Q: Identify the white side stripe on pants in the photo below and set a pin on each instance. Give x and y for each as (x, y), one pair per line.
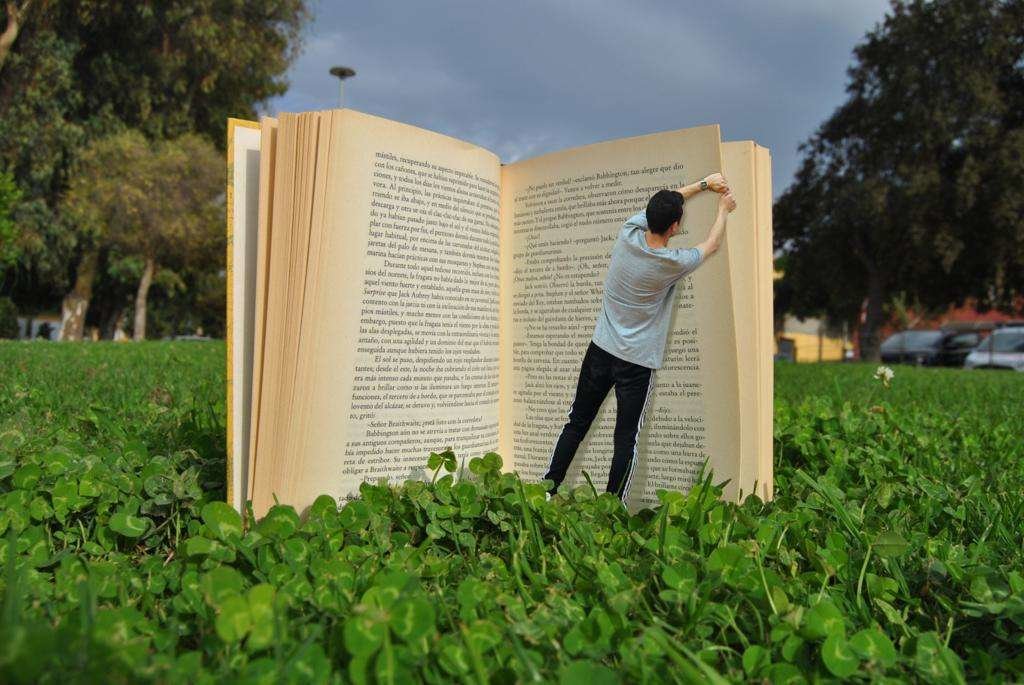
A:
(636, 439)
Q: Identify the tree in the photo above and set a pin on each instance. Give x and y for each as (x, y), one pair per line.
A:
(160, 203)
(80, 70)
(169, 67)
(195, 305)
(916, 183)
(9, 327)
(15, 14)
(10, 195)
(38, 135)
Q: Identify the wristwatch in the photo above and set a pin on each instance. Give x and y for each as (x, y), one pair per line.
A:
(703, 184)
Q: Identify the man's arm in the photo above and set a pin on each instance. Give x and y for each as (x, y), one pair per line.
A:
(726, 204)
(716, 182)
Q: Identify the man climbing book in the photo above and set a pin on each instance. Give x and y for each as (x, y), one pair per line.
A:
(632, 326)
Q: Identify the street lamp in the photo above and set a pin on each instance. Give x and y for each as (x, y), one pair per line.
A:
(342, 73)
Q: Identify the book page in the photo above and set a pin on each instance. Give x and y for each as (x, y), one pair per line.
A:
(274, 279)
(740, 248)
(268, 163)
(397, 340)
(561, 214)
(243, 161)
(766, 312)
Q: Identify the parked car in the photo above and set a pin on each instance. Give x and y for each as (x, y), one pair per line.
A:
(955, 347)
(1004, 349)
(929, 348)
(911, 347)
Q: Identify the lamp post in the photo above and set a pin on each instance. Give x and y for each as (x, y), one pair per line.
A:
(342, 73)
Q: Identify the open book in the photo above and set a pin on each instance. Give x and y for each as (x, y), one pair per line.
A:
(394, 291)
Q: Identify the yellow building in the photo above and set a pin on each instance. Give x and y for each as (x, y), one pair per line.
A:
(806, 340)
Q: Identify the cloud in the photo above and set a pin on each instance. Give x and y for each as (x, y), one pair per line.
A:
(854, 17)
(533, 76)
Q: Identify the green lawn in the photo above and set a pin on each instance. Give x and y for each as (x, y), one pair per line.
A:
(893, 548)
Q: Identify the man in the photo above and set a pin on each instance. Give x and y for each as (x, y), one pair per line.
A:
(632, 326)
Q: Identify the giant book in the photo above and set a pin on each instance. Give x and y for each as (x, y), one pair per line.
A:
(393, 292)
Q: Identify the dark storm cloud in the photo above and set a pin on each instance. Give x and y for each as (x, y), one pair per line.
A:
(526, 77)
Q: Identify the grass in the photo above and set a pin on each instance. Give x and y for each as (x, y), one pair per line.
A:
(893, 549)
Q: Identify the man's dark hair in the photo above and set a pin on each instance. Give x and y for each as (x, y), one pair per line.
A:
(664, 209)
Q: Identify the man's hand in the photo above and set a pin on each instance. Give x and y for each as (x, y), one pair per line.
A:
(717, 183)
(726, 203)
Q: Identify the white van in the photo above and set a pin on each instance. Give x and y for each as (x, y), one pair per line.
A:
(1003, 349)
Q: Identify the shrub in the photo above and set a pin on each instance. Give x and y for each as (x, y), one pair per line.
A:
(8, 319)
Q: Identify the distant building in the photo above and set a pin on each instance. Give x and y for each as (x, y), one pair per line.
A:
(44, 326)
(809, 340)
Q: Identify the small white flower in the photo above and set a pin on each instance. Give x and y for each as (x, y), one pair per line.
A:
(884, 374)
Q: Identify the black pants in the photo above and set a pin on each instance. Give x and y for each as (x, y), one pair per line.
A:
(633, 384)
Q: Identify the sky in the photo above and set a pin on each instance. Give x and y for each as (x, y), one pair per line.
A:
(526, 77)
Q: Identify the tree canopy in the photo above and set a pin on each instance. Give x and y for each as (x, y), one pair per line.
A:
(169, 67)
(915, 184)
(76, 71)
(160, 203)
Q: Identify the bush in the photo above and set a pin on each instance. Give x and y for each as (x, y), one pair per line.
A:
(8, 318)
